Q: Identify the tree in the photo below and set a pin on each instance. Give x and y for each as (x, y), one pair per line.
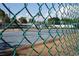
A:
(76, 20)
(2, 14)
(31, 21)
(16, 21)
(67, 21)
(6, 19)
(54, 20)
(23, 20)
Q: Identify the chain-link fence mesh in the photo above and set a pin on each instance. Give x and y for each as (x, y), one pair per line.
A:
(52, 29)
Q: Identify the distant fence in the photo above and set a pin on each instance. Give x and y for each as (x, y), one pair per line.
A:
(15, 26)
(50, 40)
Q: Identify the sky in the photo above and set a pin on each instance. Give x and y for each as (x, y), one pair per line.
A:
(33, 9)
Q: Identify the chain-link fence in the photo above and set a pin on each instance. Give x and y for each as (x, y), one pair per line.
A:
(39, 29)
